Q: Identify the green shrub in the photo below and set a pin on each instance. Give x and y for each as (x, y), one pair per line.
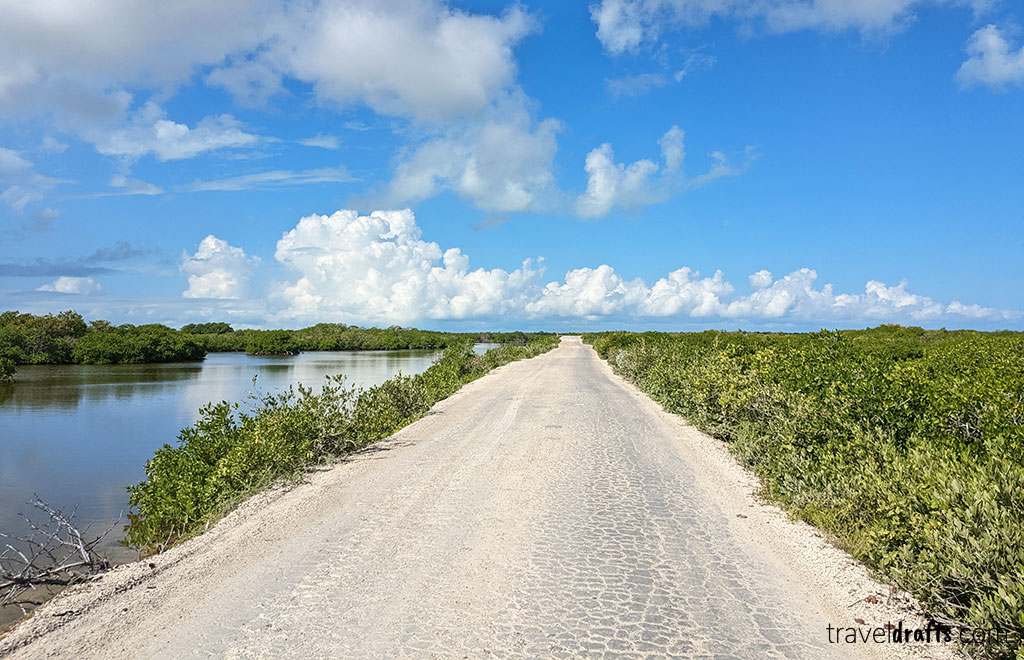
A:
(7, 369)
(272, 342)
(904, 444)
(207, 328)
(129, 344)
(50, 339)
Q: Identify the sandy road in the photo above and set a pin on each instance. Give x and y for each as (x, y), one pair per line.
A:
(545, 510)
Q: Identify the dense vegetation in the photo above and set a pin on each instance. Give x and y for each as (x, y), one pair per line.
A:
(129, 344)
(66, 338)
(904, 444)
(324, 337)
(206, 328)
(232, 452)
(272, 342)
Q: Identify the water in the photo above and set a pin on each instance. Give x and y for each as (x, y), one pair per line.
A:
(77, 435)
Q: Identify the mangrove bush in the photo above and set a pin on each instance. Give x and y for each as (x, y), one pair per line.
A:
(906, 445)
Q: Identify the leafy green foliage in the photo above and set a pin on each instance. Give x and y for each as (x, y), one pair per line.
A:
(207, 328)
(129, 344)
(272, 342)
(30, 339)
(65, 339)
(335, 337)
(904, 444)
(231, 452)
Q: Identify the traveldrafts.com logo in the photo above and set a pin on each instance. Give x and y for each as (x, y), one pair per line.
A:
(932, 633)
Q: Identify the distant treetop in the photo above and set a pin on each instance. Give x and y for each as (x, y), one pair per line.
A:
(207, 328)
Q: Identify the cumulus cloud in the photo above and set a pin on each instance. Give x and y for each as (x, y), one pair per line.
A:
(625, 25)
(445, 69)
(587, 293)
(76, 285)
(761, 279)
(217, 270)
(616, 184)
(47, 47)
(642, 182)
(992, 61)
(414, 58)
(599, 292)
(378, 269)
(501, 161)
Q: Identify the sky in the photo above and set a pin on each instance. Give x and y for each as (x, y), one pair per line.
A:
(627, 164)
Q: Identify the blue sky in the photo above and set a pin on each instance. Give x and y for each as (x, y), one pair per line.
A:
(780, 164)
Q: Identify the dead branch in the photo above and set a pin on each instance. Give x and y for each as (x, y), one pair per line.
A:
(55, 553)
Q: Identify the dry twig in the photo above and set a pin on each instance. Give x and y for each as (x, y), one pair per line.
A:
(55, 553)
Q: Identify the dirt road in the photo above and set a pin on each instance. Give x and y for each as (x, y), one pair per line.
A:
(546, 510)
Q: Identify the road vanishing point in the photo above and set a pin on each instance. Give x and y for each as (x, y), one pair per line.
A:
(547, 510)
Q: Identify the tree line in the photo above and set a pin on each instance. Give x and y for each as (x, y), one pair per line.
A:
(66, 338)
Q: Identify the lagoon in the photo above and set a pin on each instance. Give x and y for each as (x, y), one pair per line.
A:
(77, 435)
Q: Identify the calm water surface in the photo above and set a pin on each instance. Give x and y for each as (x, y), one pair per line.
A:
(77, 435)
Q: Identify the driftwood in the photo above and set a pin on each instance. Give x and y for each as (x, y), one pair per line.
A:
(54, 554)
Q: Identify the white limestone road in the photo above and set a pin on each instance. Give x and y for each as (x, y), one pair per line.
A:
(547, 510)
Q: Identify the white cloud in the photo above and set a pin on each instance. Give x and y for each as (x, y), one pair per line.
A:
(412, 58)
(695, 62)
(43, 219)
(617, 185)
(992, 61)
(587, 293)
(610, 184)
(625, 25)
(273, 179)
(634, 85)
(378, 269)
(444, 68)
(11, 163)
(52, 145)
(501, 161)
(250, 82)
(322, 141)
(150, 132)
(47, 47)
(217, 270)
(130, 186)
(76, 285)
(642, 83)
(20, 184)
(761, 279)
